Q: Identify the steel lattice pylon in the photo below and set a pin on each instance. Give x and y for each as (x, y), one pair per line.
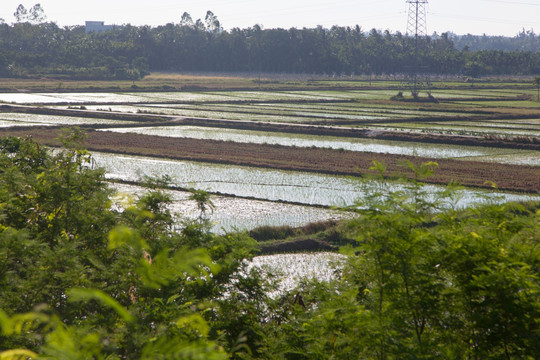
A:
(416, 20)
(416, 26)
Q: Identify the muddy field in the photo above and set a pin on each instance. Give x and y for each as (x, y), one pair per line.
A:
(500, 119)
(468, 173)
(373, 129)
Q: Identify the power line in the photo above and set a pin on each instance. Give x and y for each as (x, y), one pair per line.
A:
(511, 2)
(477, 18)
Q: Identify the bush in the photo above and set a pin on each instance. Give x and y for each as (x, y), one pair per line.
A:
(265, 233)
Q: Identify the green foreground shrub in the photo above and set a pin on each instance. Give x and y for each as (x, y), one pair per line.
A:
(80, 279)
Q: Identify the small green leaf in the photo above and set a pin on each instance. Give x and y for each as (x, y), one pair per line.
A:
(194, 322)
(79, 294)
(124, 236)
(17, 354)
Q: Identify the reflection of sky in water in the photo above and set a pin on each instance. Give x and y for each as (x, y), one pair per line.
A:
(11, 123)
(292, 268)
(456, 129)
(352, 144)
(242, 181)
(18, 119)
(523, 158)
(268, 184)
(241, 214)
(81, 98)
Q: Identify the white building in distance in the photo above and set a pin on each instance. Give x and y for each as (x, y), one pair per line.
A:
(97, 27)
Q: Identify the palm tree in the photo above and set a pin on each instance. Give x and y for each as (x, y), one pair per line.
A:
(204, 203)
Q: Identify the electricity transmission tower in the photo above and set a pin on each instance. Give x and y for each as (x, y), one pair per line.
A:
(416, 26)
(416, 20)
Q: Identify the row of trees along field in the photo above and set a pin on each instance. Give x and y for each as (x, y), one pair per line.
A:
(524, 40)
(30, 49)
(83, 279)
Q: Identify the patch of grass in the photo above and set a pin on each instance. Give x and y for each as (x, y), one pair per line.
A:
(266, 233)
(317, 227)
(316, 236)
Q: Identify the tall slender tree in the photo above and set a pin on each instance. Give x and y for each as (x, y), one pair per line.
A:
(212, 22)
(537, 83)
(186, 20)
(21, 14)
(36, 14)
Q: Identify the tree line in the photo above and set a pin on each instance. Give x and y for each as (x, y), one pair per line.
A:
(524, 40)
(29, 49)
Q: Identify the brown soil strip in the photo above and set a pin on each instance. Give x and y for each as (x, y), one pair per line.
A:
(468, 173)
(310, 129)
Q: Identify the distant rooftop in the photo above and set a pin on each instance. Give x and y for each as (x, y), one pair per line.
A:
(97, 27)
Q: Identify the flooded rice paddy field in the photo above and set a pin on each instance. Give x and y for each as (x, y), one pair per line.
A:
(507, 126)
(21, 119)
(13, 123)
(74, 98)
(520, 122)
(275, 185)
(156, 97)
(292, 269)
(232, 213)
(531, 124)
(351, 144)
(524, 157)
(368, 119)
(463, 94)
(288, 106)
(259, 112)
(256, 196)
(519, 104)
(225, 96)
(279, 112)
(477, 93)
(258, 183)
(458, 128)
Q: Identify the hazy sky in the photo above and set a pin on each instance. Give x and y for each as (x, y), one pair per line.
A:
(492, 17)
